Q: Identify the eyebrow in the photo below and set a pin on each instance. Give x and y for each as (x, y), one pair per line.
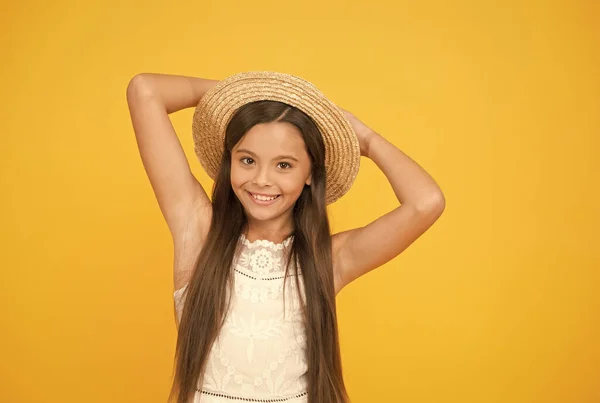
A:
(280, 157)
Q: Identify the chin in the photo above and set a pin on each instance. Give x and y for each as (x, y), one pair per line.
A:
(259, 217)
(261, 213)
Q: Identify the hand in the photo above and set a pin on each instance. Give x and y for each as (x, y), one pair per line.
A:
(364, 133)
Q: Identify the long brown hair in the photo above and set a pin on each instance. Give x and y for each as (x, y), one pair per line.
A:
(206, 303)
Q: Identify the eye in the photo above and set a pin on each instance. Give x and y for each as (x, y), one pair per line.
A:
(284, 165)
(247, 160)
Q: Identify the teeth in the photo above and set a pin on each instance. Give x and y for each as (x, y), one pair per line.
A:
(263, 198)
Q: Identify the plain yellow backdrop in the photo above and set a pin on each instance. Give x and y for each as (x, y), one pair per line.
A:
(499, 101)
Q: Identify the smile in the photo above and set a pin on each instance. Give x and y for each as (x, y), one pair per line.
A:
(262, 199)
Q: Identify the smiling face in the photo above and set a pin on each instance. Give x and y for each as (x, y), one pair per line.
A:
(269, 169)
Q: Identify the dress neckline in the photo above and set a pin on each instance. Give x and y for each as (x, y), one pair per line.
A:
(266, 243)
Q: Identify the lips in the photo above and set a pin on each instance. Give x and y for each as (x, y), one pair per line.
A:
(263, 199)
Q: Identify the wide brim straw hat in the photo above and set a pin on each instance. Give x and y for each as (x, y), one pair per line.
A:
(217, 106)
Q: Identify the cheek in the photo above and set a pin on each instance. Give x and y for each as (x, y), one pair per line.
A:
(293, 185)
(238, 177)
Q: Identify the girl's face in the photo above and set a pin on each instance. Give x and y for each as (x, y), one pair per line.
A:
(269, 169)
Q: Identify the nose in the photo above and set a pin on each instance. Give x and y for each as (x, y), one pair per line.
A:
(261, 178)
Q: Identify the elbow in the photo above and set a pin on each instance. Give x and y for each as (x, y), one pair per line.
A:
(139, 87)
(433, 205)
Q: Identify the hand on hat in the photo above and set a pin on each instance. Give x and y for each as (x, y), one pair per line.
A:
(363, 132)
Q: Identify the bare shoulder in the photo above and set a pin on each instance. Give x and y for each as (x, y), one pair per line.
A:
(188, 243)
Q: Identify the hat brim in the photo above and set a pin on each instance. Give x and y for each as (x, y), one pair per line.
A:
(217, 106)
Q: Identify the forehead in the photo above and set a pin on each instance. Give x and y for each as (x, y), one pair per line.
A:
(273, 138)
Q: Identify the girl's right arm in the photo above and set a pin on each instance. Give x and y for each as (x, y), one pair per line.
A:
(182, 200)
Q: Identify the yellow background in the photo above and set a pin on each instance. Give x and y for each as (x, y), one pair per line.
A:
(499, 101)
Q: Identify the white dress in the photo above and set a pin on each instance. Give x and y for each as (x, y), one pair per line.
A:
(259, 355)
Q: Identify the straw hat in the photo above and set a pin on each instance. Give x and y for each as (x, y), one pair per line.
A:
(217, 106)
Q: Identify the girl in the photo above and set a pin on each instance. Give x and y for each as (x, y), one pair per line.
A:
(279, 152)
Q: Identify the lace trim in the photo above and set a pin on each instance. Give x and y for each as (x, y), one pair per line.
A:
(265, 278)
(265, 243)
(177, 293)
(253, 399)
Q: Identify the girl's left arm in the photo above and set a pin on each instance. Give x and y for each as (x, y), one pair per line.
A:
(358, 251)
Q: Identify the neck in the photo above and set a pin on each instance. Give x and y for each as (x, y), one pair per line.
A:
(274, 231)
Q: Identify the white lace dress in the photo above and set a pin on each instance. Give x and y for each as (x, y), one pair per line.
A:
(259, 356)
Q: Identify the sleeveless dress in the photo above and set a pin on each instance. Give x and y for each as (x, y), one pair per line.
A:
(259, 355)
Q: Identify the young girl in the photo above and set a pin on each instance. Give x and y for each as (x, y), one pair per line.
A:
(256, 268)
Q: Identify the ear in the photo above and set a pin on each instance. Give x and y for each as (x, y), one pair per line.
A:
(309, 180)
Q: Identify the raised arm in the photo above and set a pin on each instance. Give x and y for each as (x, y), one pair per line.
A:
(358, 251)
(151, 97)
